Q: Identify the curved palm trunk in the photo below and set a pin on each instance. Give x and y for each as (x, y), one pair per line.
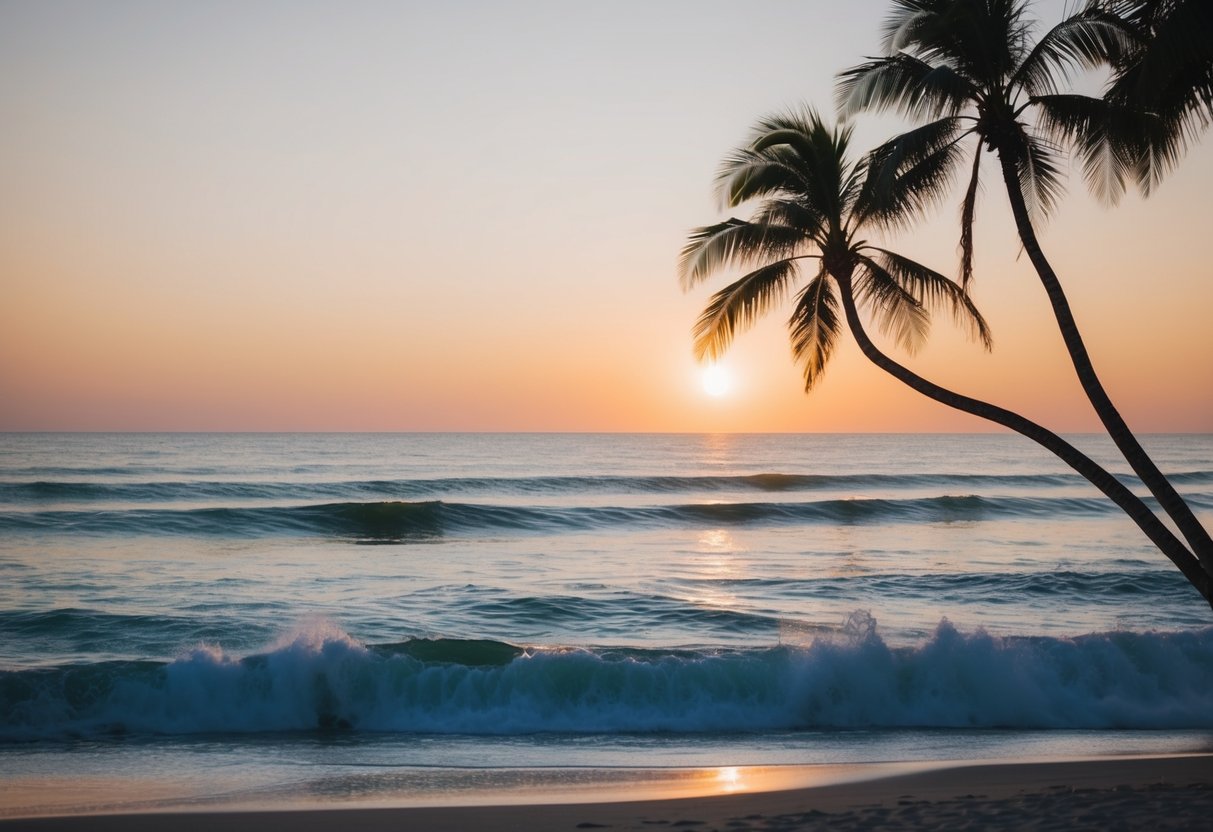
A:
(1174, 505)
(1130, 503)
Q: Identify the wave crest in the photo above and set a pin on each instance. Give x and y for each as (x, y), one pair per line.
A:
(320, 678)
(429, 520)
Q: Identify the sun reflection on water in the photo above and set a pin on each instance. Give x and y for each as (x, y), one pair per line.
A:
(712, 566)
(729, 779)
(717, 539)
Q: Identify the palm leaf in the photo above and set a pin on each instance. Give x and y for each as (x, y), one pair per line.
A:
(1086, 40)
(1039, 174)
(1112, 140)
(987, 39)
(910, 172)
(818, 154)
(902, 25)
(738, 305)
(896, 311)
(905, 83)
(749, 174)
(799, 138)
(1174, 39)
(983, 41)
(933, 291)
(814, 327)
(832, 183)
(733, 242)
(1180, 112)
(789, 212)
(1169, 74)
(968, 213)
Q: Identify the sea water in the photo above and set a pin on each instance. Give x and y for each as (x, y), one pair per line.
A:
(215, 619)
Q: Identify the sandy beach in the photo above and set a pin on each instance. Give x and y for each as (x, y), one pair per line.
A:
(1173, 792)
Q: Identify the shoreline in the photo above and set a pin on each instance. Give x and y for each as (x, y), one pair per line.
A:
(1173, 792)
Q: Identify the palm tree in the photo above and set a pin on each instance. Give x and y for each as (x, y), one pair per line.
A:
(813, 205)
(970, 68)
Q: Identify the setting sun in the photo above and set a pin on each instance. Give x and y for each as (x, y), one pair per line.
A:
(716, 381)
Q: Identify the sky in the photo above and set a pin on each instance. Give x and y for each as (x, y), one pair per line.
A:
(467, 216)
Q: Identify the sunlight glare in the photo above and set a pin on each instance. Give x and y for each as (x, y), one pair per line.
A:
(730, 779)
(716, 381)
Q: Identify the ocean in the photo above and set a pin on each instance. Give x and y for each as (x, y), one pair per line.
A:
(275, 619)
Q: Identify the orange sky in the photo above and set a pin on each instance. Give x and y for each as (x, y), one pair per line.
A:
(311, 217)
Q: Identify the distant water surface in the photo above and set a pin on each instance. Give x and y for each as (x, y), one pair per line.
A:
(410, 608)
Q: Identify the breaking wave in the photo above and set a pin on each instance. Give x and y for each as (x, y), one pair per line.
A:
(321, 679)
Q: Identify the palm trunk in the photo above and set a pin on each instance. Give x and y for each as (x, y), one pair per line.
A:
(1174, 505)
(1130, 503)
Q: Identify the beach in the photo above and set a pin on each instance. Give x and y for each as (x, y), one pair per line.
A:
(1162, 792)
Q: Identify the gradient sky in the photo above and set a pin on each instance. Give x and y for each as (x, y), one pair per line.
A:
(467, 216)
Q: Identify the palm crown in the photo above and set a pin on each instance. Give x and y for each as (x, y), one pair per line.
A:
(812, 204)
(973, 69)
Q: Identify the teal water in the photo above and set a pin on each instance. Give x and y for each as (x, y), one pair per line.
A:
(384, 613)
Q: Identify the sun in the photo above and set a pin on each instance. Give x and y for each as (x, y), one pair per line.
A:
(716, 381)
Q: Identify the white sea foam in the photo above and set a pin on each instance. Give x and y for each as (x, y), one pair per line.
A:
(318, 677)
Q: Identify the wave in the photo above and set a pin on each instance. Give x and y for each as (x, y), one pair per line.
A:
(981, 587)
(320, 679)
(617, 615)
(65, 633)
(429, 520)
(44, 491)
(77, 631)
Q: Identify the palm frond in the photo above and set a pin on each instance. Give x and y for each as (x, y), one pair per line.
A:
(802, 121)
(1181, 113)
(749, 174)
(1040, 176)
(733, 242)
(937, 30)
(738, 305)
(1169, 74)
(1174, 42)
(901, 26)
(933, 291)
(968, 213)
(814, 327)
(982, 41)
(799, 140)
(819, 155)
(1113, 141)
(985, 39)
(897, 313)
(904, 83)
(790, 212)
(910, 172)
(1085, 40)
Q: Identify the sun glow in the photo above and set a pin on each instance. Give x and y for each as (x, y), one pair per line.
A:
(729, 779)
(716, 381)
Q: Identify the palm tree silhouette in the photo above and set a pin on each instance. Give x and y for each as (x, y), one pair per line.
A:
(970, 68)
(815, 203)
(812, 207)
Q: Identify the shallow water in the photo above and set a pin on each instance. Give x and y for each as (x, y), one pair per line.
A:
(395, 615)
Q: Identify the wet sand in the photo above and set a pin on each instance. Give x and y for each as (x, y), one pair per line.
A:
(1161, 792)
